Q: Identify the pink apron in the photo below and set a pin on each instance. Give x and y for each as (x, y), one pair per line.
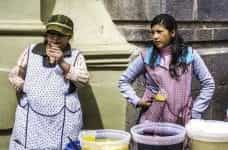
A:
(177, 107)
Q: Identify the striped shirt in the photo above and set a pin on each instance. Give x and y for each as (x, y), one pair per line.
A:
(78, 73)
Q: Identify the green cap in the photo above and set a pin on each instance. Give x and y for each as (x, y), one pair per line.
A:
(61, 24)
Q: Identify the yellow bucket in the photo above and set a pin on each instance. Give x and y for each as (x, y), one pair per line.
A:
(208, 134)
(106, 139)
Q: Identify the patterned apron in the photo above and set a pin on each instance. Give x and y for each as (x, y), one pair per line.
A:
(177, 107)
(47, 114)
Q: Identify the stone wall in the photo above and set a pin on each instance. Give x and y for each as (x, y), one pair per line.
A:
(202, 23)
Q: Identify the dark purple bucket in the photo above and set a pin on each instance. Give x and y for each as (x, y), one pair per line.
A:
(158, 136)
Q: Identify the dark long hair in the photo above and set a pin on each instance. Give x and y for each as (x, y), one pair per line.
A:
(176, 68)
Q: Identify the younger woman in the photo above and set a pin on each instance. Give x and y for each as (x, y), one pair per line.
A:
(168, 66)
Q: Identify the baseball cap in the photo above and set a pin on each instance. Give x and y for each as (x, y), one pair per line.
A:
(61, 24)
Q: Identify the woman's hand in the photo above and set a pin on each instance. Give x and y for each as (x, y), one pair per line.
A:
(144, 103)
(17, 82)
(16, 77)
(54, 52)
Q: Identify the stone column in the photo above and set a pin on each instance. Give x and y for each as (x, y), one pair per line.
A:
(20, 24)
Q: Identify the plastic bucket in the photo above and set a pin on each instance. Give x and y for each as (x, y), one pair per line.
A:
(154, 136)
(208, 134)
(106, 139)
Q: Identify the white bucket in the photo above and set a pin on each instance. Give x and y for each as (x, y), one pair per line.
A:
(208, 134)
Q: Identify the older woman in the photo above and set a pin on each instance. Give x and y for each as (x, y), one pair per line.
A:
(47, 74)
